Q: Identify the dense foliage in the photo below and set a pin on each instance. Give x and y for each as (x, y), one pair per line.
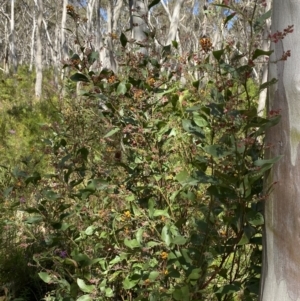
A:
(141, 185)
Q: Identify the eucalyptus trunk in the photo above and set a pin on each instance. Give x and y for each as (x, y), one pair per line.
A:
(39, 54)
(281, 261)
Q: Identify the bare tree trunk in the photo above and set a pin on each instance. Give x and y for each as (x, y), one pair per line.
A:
(174, 22)
(265, 46)
(38, 57)
(281, 261)
(63, 43)
(138, 23)
(13, 55)
(32, 42)
(6, 47)
(106, 49)
(56, 51)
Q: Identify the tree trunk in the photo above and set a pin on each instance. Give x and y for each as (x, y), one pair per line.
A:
(281, 261)
(107, 58)
(6, 47)
(138, 23)
(38, 57)
(265, 46)
(63, 43)
(12, 37)
(32, 42)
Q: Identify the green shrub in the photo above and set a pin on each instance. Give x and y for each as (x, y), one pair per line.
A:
(154, 196)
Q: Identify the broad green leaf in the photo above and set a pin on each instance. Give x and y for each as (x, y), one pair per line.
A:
(159, 212)
(194, 274)
(268, 84)
(84, 287)
(70, 261)
(34, 219)
(260, 52)
(33, 178)
(265, 16)
(112, 132)
(122, 89)
(249, 231)
(109, 292)
(228, 289)
(154, 62)
(153, 3)
(128, 283)
(82, 259)
(186, 255)
(201, 177)
(244, 240)
(218, 53)
(165, 235)
(90, 230)
(217, 151)
(135, 209)
(93, 56)
(179, 240)
(7, 191)
(200, 121)
(182, 294)
(256, 219)
(191, 127)
(117, 259)
(133, 243)
(257, 240)
(51, 195)
(84, 298)
(151, 205)
(245, 187)
(182, 176)
(139, 235)
(151, 244)
(175, 44)
(75, 56)
(196, 84)
(45, 277)
(261, 162)
(153, 275)
(79, 77)
(31, 210)
(229, 17)
(172, 133)
(166, 50)
(102, 285)
(259, 23)
(123, 40)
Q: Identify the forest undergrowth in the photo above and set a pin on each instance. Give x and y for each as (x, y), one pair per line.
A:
(135, 186)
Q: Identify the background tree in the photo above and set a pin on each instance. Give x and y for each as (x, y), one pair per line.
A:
(39, 54)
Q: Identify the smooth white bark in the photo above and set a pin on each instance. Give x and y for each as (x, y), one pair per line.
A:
(12, 37)
(281, 273)
(6, 41)
(107, 58)
(38, 53)
(63, 42)
(138, 23)
(265, 46)
(32, 42)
